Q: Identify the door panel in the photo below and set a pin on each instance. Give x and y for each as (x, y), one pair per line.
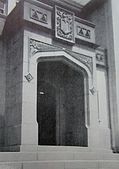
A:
(46, 114)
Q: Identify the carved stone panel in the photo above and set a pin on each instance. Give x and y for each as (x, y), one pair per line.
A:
(84, 30)
(100, 57)
(64, 24)
(38, 15)
(37, 46)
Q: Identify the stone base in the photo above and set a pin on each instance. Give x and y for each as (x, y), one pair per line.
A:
(115, 149)
(20, 148)
(59, 158)
(62, 165)
(37, 149)
(15, 148)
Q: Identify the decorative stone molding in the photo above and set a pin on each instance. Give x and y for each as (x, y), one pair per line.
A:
(83, 59)
(100, 56)
(37, 46)
(64, 24)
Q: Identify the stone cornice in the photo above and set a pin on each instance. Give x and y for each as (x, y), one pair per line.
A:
(39, 4)
(84, 22)
(69, 4)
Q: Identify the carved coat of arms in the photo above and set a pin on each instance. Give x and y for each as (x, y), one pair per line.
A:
(64, 24)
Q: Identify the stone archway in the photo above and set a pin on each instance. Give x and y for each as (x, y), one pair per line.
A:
(60, 105)
(78, 64)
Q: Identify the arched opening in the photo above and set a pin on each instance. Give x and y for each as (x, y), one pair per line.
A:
(60, 105)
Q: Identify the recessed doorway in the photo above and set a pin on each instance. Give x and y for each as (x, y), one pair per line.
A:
(47, 114)
(60, 105)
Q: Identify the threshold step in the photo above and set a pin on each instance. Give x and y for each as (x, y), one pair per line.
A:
(56, 156)
(62, 165)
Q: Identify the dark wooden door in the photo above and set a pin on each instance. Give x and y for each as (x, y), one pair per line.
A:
(46, 114)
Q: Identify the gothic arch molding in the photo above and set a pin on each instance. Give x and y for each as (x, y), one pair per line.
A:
(72, 62)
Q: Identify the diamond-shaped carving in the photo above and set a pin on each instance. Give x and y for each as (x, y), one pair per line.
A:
(29, 77)
(93, 90)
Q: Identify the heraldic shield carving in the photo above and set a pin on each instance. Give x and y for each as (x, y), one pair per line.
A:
(64, 24)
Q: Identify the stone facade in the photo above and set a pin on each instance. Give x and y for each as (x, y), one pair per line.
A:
(2, 92)
(53, 35)
(13, 105)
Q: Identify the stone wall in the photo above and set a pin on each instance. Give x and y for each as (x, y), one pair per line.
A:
(98, 17)
(13, 106)
(102, 18)
(2, 93)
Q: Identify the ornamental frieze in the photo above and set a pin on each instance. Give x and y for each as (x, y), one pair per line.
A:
(86, 60)
(37, 46)
(68, 27)
(64, 24)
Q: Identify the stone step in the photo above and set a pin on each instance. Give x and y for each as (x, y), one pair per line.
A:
(75, 164)
(56, 156)
(44, 156)
(63, 148)
(17, 156)
(71, 149)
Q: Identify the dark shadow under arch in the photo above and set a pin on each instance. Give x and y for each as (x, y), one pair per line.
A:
(46, 113)
(60, 105)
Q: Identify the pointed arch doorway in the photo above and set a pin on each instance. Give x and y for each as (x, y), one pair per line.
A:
(60, 105)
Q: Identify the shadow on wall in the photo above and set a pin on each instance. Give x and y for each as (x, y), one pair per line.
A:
(2, 131)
